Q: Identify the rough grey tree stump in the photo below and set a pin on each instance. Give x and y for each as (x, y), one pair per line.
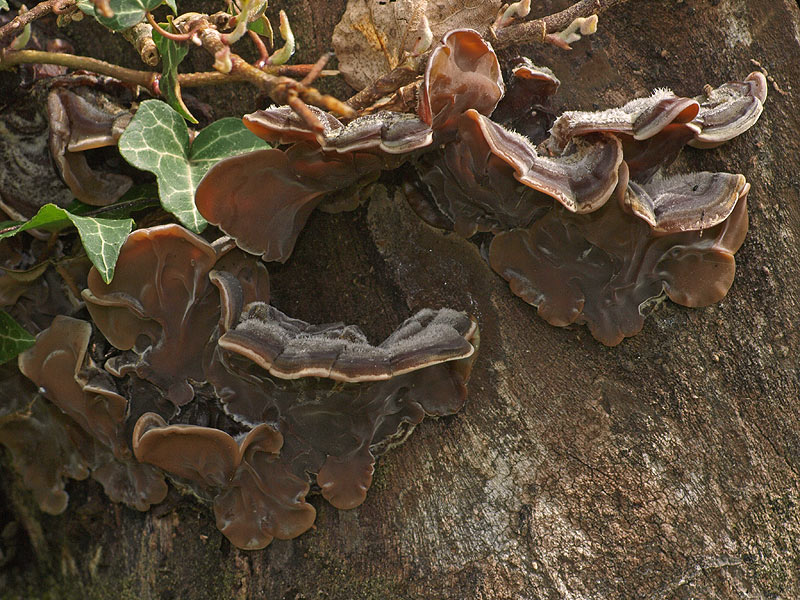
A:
(665, 468)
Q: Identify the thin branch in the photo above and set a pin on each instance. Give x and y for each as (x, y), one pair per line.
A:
(175, 37)
(145, 78)
(141, 37)
(536, 31)
(282, 90)
(316, 69)
(263, 53)
(403, 74)
(14, 27)
(142, 78)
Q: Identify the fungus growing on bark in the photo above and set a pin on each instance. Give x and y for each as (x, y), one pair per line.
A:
(389, 132)
(161, 305)
(41, 441)
(263, 199)
(58, 363)
(581, 178)
(729, 110)
(77, 125)
(289, 348)
(267, 368)
(653, 130)
(606, 268)
(255, 498)
(473, 189)
(524, 107)
(462, 72)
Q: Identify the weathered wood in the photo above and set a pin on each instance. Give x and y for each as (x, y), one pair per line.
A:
(664, 468)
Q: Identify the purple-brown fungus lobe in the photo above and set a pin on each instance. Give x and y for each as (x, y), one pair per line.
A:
(78, 124)
(160, 305)
(606, 268)
(289, 406)
(462, 73)
(263, 199)
(59, 364)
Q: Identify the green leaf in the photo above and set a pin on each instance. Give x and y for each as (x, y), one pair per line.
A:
(101, 238)
(87, 7)
(262, 26)
(3, 5)
(13, 338)
(173, 5)
(127, 13)
(157, 140)
(172, 54)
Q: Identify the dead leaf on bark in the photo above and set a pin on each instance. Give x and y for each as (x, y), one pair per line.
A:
(373, 35)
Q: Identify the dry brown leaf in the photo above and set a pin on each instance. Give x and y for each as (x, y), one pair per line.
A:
(373, 35)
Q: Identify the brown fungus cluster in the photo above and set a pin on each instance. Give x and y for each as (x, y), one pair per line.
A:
(187, 374)
(285, 407)
(588, 226)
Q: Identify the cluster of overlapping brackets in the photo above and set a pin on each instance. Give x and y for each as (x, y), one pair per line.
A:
(585, 227)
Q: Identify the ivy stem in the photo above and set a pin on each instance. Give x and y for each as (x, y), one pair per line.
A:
(142, 78)
(145, 79)
(13, 28)
(175, 37)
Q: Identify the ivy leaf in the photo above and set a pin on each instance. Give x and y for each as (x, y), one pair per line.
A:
(13, 338)
(127, 13)
(157, 140)
(101, 238)
(172, 54)
(262, 26)
(3, 5)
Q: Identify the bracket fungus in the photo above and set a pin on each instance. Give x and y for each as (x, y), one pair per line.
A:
(607, 267)
(59, 364)
(79, 123)
(160, 305)
(206, 383)
(263, 199)
(261, 409)
(335, 397)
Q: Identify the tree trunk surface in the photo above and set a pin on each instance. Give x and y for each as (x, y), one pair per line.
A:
(664, 468)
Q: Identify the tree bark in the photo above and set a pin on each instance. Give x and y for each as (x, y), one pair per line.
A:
(662, 469)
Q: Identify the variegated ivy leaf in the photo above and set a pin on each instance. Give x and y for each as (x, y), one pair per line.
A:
(172, 54)
(127, 13)
(157, 140)
(13, 338)
(101, 238)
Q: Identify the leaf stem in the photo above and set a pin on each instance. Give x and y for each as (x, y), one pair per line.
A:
(13, 28)
(144, 78)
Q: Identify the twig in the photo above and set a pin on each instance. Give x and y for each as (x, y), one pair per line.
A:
(141, 37)
(175, 37)
(263, 53)
(14, 27)
(282, 90)
(403, 74)
(316, 69)
(536, 31)
(142, 78)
